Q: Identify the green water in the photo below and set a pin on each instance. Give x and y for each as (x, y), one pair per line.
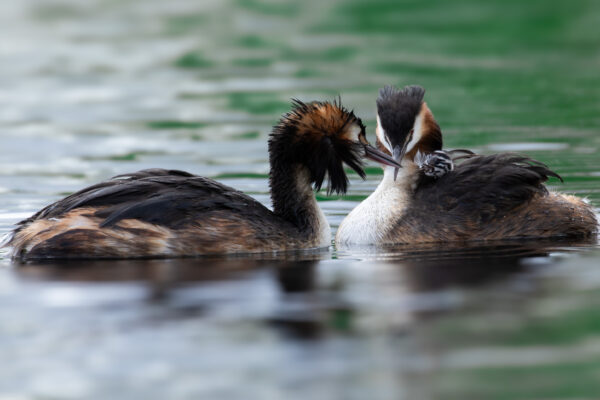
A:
(91, 89)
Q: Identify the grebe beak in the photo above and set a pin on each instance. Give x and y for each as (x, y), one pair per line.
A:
(376, 155)
(398, 155)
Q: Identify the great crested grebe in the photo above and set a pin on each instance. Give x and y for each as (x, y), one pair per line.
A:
(167, 213)
(429, 199)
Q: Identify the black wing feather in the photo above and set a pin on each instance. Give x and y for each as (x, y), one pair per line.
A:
(166, 197)
(495, 183)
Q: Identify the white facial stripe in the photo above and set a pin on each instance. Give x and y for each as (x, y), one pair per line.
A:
(380, 133)
(417, 132)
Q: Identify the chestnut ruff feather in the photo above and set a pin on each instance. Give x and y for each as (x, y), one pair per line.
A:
(398, 111)
(300, 139)
(312, 139)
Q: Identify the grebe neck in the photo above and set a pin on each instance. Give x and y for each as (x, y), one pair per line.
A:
(294, 200)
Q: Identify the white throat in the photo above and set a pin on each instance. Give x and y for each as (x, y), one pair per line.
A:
(371, 220)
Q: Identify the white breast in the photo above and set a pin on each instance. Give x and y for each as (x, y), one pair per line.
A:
(372, 219)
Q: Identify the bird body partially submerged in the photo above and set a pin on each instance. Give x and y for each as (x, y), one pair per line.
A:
(156, 213)
(167, 213)
(499, 196)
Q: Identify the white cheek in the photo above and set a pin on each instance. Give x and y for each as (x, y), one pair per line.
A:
(380, 133)
(417, 132)
(354, 133)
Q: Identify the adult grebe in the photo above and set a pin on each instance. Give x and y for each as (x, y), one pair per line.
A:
(166, 213)
(499, 196)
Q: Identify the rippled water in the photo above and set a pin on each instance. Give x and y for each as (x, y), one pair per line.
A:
(91, 89)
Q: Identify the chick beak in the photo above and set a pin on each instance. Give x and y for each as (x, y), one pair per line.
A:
(376, 155)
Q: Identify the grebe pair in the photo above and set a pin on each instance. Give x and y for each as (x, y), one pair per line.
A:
(430, 199)
(166, 213)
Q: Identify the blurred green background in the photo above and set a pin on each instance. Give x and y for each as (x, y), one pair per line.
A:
(500, 75)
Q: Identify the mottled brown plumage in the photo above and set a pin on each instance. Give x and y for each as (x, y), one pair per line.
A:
(154, 213)
(493, 197)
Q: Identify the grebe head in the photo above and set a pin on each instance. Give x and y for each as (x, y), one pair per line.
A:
(405, 124)
(322, 136)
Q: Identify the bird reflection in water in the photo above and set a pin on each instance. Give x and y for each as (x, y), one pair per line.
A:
(295, 293)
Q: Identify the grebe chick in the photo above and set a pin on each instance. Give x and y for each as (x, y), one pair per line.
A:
(500, 196)
(167, 213)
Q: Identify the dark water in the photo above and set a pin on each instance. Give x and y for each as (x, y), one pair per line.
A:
(90, 89)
